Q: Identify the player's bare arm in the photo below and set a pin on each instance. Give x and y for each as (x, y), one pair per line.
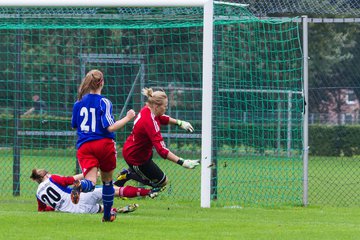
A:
(121, 123)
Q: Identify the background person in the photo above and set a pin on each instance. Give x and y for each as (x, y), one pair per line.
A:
(92, 117)
(39, 106)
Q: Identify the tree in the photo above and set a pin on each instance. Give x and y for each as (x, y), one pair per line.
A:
(332, 48)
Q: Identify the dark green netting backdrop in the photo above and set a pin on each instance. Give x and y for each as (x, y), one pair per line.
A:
(257, 109)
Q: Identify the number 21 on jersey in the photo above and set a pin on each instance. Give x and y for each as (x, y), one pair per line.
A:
(86, 122)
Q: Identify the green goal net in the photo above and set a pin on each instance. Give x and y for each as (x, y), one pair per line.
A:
(257, 97)
(258, 113)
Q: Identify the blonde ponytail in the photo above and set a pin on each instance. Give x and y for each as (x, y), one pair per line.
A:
(154, 98)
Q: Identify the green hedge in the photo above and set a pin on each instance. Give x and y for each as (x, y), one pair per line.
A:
(36, 124)
(36, 131)
(323, 140)
(334, 140)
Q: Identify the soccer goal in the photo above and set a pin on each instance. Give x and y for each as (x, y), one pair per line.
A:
(237, 78)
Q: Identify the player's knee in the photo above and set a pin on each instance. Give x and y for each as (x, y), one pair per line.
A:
(162, 183)
(165, 182)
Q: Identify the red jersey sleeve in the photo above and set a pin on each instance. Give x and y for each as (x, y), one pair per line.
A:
(42, 207)
(164, 119)
(62, 180)
(153, 132)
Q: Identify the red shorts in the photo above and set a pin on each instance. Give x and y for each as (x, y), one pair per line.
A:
(98, 153)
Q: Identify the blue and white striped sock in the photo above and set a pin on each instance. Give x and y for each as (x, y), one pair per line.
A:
(87, 185)
(108, 198)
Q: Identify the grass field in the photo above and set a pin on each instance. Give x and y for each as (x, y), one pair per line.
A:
(164, 219)
(333, 212)
(255, 181)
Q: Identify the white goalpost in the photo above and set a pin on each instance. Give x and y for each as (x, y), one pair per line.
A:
(207, 65)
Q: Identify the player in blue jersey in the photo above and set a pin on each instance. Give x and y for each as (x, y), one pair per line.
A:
(93, 119)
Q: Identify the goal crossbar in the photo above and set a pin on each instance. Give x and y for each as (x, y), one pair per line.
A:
(103, 3)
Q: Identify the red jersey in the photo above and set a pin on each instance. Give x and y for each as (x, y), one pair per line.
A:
(144, 136)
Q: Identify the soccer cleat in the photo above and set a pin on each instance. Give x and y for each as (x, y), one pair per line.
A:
(155, 192)
(122, 174)
(128, 208)
(112, 218)
(75, 192)
(121, 178)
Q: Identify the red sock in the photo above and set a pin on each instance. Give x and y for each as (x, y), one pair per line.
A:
(131, 192)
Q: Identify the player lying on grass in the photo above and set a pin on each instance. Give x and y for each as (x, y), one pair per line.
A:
(53, 194)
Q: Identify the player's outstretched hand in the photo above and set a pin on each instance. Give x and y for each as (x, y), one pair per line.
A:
(190, 164)
(185, 125)
(130, 114)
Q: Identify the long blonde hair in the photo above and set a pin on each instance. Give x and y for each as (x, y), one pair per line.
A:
(154, 98)
(92, 81)
(38, 175)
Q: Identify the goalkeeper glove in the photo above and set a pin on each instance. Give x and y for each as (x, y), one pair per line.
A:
(185, 125)
(189, 164)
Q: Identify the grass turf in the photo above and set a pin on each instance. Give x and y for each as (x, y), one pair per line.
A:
(275, 182)
(165, 219)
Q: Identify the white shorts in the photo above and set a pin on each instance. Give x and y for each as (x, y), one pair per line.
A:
(89, 202)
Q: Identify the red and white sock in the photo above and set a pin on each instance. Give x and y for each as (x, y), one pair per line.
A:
(131, 192)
